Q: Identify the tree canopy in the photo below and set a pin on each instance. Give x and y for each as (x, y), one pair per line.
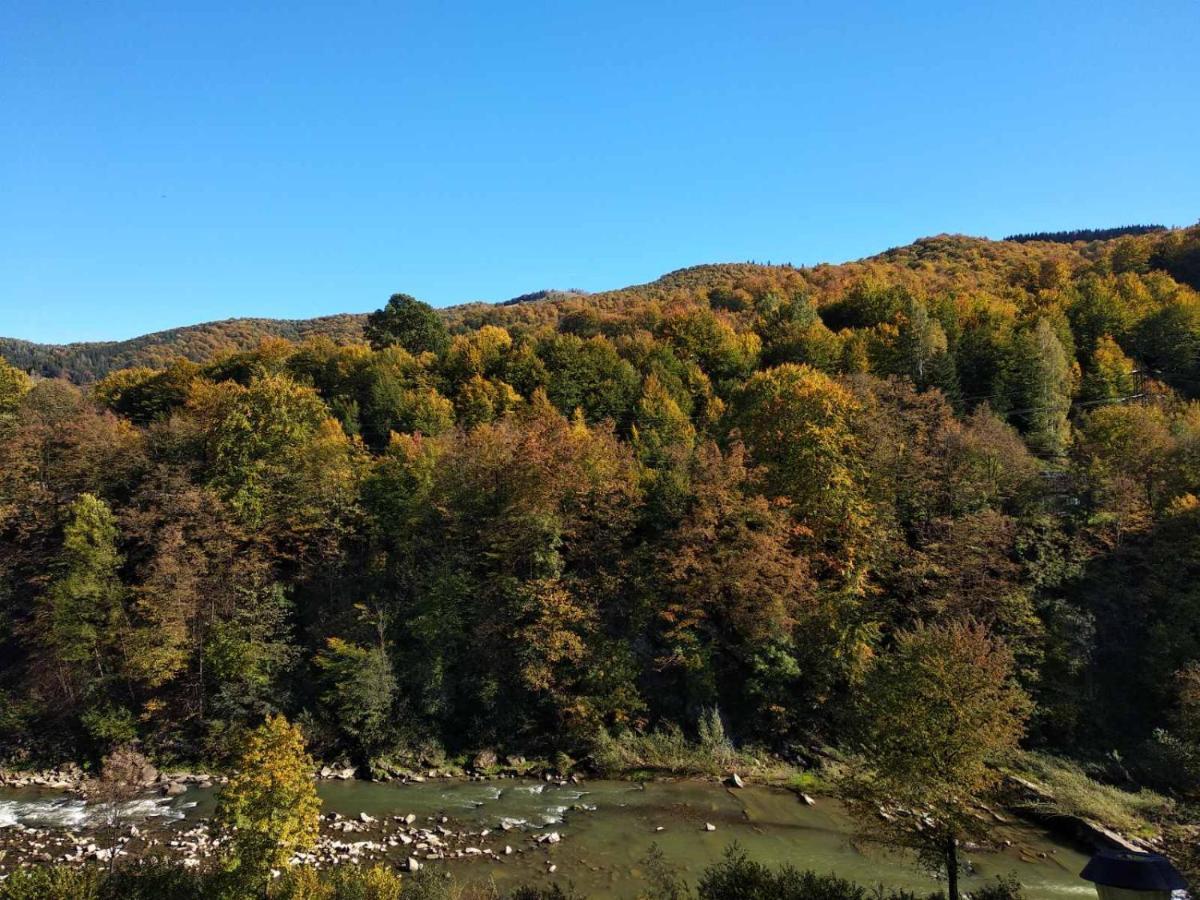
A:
(532, 527)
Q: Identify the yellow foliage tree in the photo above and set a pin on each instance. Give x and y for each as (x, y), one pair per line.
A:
(14, 384)
(269, 810)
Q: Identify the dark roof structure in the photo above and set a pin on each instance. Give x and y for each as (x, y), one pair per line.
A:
(1133, 871)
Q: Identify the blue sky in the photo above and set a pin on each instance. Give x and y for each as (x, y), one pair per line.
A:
(169, 163)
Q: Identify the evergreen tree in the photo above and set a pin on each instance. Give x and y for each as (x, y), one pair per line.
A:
(1043, 383)
(360, 690)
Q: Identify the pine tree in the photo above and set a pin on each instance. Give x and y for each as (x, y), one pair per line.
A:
(1043, 383)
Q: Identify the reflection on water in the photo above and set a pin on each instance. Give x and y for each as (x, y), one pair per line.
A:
(608, 827)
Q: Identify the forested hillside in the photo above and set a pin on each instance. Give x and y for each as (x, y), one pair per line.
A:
(85, 362)
(533, 527)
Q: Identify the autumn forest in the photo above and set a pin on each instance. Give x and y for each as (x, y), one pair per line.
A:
(537, 526)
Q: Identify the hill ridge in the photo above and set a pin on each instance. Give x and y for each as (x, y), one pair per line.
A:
(959, 261)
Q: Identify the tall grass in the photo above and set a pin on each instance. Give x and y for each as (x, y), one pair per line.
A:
(1075, 793)
(667, 750)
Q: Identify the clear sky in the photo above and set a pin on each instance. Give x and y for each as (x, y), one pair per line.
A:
(166, 163)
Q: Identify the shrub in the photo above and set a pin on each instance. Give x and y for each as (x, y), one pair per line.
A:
(341, 883)
(1005, 888)
(736, 877)
(59, 883)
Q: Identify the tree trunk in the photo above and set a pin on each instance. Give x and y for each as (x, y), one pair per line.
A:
(952, 868)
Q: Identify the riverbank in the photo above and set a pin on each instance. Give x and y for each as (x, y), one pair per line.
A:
(1051, 793)
(1047, 790)
(605, 830)
(139, 830)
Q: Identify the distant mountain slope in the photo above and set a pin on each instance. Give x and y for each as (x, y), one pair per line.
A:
(940, 263)
(87, 361)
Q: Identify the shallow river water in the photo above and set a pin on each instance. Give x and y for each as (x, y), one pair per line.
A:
(607, 827)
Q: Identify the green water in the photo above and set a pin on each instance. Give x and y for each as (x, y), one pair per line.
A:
(607, 827)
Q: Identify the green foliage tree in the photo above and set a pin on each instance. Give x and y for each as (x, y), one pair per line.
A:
(1169, 340)
(273, 451)
(407, 322)
(361, 689)
(1043, 384)
(588, 375)
(922, 342)
(82, 619)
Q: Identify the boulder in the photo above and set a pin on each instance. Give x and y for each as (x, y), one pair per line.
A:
(485, 759)
(735, 780)
(709, 826)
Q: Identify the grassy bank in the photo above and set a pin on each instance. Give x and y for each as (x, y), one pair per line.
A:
(1069, 790)
(668, 751)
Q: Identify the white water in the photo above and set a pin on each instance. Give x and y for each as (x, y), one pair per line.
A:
(60, 812)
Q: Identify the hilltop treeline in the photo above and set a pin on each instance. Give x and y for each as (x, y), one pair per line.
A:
(1085, 234)
(531, 527)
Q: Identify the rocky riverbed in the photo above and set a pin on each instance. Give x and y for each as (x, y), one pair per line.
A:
(400, 840)
(514, 830)
(72, 779)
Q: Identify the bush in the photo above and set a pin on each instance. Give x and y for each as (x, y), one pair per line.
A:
(51, 884)
(737, 878)
(170, 881)
(1170, 763)
(341, 883)
(1005, 888)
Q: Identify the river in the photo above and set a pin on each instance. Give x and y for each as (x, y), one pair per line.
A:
(607, 828)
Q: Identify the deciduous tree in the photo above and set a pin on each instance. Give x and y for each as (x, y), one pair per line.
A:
(939, 712)
(269, 809)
